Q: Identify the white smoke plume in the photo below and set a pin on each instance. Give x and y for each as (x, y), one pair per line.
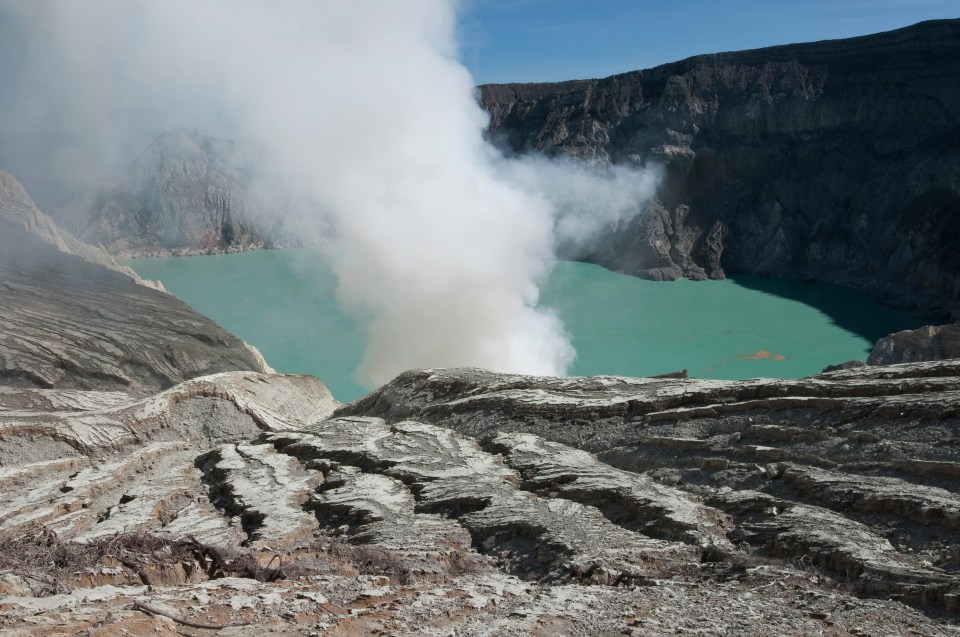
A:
(587, 199)
(440, 242)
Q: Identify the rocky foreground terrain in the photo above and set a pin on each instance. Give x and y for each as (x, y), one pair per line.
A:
(157, 479)
(835, 160)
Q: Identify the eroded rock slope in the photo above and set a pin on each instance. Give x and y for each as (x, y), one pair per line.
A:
(833, 159)
(855, 470)
(71, 318)
(460, 500)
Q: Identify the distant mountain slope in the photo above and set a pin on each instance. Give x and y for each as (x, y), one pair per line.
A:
(71, 318)
(186, 191)
(834, 159)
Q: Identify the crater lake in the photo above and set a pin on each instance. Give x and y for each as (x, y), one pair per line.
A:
(283, 302)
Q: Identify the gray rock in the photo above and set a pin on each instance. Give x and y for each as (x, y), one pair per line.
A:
(449, 474)
(204, 411)
(929, 343)
(832, 159)
(875, 444)
(629, 499)
(189, 193)
(186, 191)
(71, 318)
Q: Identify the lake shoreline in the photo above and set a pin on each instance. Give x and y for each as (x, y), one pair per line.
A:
(284, 303)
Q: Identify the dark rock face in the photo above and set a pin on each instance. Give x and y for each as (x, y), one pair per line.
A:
(185, 192)
(67, 321)
(832, 159)
(928, 343)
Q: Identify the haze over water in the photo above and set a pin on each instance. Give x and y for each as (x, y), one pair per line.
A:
(283, 303)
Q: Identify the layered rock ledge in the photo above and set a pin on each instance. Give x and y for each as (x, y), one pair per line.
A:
(72, 318)
(467, 501)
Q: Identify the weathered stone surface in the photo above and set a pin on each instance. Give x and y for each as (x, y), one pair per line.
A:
(450, 475)
(68, 321)
(266, 491)
(479, 529)
(138, 492)
(204, 411)
(871, 494)
(833, 159)
(630, 500)
(876, 444)
(832, 541)
(784, 603)
(603, 411)
(929, 343)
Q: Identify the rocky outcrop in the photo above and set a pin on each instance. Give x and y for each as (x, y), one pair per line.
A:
(476, 502)
(71, 318)
(187, 193)
(47, 424)
(855, 470)
(928, 343)
(17, 209)
(833, 160)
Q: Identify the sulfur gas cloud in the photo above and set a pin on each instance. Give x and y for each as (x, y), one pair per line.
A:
(439, 243)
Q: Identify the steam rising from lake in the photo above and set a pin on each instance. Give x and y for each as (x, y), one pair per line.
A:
(439, 242)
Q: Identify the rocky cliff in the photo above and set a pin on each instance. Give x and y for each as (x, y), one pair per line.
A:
(185, 193)
(72, 318)
(836, 160)
(929, 343)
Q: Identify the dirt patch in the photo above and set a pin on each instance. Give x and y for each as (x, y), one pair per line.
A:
(41, 564)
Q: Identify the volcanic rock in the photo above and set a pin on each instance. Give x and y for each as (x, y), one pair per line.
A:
(477, 502)
(72, 318)
(928, 343)
(835, 160)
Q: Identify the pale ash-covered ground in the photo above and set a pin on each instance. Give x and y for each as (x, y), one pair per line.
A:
(157, 480)
(698, 512)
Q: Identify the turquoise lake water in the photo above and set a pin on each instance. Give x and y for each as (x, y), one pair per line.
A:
(283, 303)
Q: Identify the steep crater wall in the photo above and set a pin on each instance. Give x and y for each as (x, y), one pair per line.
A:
(836, 160)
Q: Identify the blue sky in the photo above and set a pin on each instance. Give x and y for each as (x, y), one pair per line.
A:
(549, 40)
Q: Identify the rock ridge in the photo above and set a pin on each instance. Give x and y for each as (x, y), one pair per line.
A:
(485, 501)
(72, 318)
(832, 160)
